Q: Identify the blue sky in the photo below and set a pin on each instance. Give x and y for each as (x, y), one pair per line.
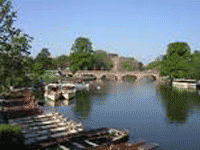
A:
(138, 28)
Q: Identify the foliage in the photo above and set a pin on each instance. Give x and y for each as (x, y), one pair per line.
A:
(38, 70)
(175, 64)
(43, 57)
(61, 62)
(101, 61)
(81, 55)
(195, 66)
(11, 136)
(10, 129)
(14, 48)
(129, 65)
(38, 94)
(41, 63)
(49, 77)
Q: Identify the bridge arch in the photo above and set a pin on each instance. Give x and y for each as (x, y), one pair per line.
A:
(153, 77)
(103, 77)
(116, 78)
(124, 78)
(89, 75)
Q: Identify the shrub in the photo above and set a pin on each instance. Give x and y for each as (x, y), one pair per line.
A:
(11, 135)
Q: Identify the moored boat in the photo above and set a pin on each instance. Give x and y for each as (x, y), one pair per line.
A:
(95, 138)
(54, 91)
(68, 90)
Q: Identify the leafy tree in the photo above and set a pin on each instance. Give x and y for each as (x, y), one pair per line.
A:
(196, 52)
(14, 48)
(140, 66)
(81, 55)
(175, 64)
(195, 66)
(100, 61)
(38, 70)
(61, 62)
(127, 64)
(44, 58)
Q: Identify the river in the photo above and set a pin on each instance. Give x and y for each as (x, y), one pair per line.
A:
(147, 109)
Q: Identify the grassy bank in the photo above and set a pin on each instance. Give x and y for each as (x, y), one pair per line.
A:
(11, 136)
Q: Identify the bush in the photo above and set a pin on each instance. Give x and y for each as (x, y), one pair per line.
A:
(49, 77)
(11, 136)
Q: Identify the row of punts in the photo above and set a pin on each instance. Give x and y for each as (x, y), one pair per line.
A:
(51, 130)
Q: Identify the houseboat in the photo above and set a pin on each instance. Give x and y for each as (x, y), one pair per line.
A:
(185, 84)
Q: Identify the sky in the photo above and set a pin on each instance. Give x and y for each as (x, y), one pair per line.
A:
(136, 28)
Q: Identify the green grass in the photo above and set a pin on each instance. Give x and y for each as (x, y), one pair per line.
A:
(10, 129)
(11, 136)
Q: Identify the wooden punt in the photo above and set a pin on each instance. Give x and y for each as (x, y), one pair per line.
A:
(148, 146)
(97, 137)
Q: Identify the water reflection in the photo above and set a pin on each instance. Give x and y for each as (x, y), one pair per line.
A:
(177, 103)
(83, 105)
(154, 112)
(65, 102)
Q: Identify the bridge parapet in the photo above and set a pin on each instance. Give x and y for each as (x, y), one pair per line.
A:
(118, 75)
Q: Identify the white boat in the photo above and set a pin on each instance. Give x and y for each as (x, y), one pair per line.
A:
(52, 91)
(68, 90)
(82, 86)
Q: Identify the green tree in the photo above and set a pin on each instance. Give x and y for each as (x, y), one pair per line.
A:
(44, 58)
(81, 54)
(61, 62)
(100, 60)
(175, 64)
(14, 47)
(195, 66)
(38, 70)
(128, 64)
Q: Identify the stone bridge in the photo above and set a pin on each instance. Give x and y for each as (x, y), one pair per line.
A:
(118, 75)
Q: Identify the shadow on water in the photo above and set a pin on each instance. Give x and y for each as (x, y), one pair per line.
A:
(178, 103)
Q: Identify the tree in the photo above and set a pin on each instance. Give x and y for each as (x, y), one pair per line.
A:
(44, 58)
(127, 64)
(195, 66)
(38, 70)
(140, 66)
(100, 60)
(61, 61)
(175, 64)
(81, 55)
(14, 47)
(196, 52)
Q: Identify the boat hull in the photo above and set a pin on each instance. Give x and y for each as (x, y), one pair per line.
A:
(96, 138)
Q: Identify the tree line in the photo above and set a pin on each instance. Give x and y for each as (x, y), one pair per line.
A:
(178, 62)
(18, 67)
